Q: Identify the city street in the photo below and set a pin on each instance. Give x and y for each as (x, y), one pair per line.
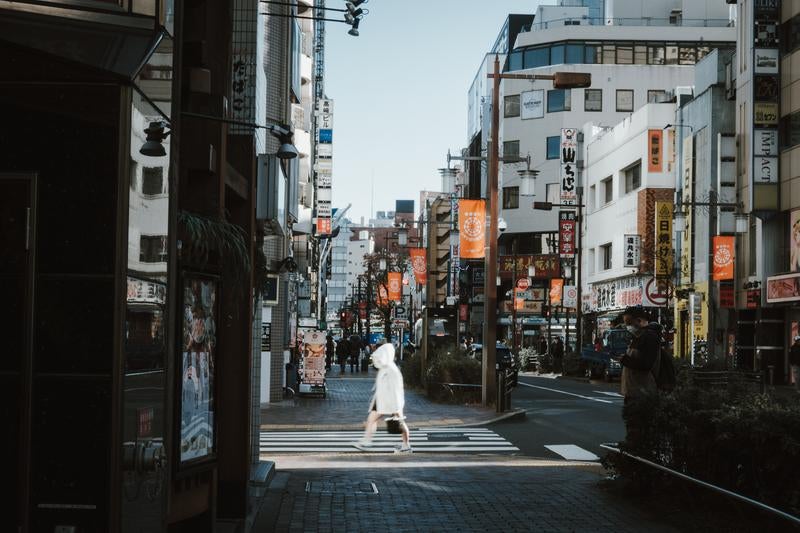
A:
(572, 417)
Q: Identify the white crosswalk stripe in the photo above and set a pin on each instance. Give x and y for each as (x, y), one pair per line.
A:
(438, 440)
(572, 452)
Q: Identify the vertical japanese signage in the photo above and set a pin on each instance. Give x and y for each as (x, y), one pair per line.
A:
(472, 226)
(655, 151)
(687, 186)
(632, 251)
(324, 166)
(312, 369)
(569, 179)
(566, 233)
(243, 65)
(766, 104)
(723, 257)
(663, 240)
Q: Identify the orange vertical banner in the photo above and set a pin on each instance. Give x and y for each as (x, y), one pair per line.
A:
(655, 151)
(472, 228)
(419, 263)
(556, 286)
(383, 295)
(723, 257)
(395, 286)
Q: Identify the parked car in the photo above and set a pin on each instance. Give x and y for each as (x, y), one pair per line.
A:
(503, 353)
(599, 358)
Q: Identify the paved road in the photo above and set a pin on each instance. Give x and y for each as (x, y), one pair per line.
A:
(563, 412)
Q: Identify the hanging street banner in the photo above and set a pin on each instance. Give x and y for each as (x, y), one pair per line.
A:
(566, 233)
(570, 296)
(472, 228)
(723, 257)
(569, 178)
(556, 287)
(395, 281)
(632, 251)
(323, 167)
(419, 264)
(382, 296)
(655, 152)
(663, 239)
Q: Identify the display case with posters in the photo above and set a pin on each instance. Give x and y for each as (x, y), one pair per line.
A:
(196, 408)
(312, 364)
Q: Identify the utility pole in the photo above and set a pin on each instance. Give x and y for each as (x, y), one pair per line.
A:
(561, 80)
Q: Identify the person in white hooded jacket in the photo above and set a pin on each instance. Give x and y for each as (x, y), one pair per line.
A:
(388, 398)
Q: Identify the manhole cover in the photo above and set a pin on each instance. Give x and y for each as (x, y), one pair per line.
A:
(341, 487)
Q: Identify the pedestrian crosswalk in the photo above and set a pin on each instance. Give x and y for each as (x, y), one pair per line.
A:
(428, 440)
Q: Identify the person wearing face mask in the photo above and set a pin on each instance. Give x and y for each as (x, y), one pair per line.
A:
(642, 354)
(388, 398)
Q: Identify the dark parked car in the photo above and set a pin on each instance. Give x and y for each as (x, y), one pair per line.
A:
(503, 354)
(598, 359)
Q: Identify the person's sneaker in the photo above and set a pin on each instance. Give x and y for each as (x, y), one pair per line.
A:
(363, 445)
(402, 449)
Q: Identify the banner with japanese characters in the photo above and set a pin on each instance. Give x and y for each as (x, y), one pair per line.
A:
(632, 251)
(655, 154)
(569, 168)
(723, 257)
(395, 282)
(419, 264)
(472, 228)
(663, 239)
(556, 288)
(566, 233)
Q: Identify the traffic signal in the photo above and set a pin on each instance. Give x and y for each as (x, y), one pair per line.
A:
(343, 319)
(545, 310)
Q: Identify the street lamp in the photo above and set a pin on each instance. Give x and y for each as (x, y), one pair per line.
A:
(448, 179)
(527, 182)
(561, 80)
(382, 264)
(402, 236)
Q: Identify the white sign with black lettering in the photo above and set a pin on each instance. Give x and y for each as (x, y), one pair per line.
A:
(765, 169)
(531, 104)
(765, 142)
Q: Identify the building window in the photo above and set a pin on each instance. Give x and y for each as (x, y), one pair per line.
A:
(558, 100)
(790, 130)
(592, 261)
(511, 149)
(537, 57)
(592, 197)
(515, 61)
(655, 55)
(624, 100)
(593, 99)
(608, 189)
(553, 193)
(153, 248)
(152, 180)
(557, 54)
(655, 96)
(574, 53)
(553, 147)
(510, 197)
(511, 106)
(605, 256)
(633, 177)
(625, 54)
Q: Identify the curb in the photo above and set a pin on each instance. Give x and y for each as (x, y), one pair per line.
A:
(575, 378)
(511, 415)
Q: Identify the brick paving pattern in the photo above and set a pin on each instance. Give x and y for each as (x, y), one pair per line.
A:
(464, 494)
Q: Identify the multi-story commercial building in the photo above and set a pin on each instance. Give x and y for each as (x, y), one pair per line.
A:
(628, 169)
(643, 52)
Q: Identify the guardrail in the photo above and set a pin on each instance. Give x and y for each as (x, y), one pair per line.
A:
(755, 503)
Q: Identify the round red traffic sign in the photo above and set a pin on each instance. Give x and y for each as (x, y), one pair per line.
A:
(523, 283)
(654, 293)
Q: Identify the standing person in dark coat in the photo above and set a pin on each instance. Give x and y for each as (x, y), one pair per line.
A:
(794, 362)
(330, 351)
(343, 352)
(355, 352)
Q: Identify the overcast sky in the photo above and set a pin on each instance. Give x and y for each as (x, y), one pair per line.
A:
(400, 93)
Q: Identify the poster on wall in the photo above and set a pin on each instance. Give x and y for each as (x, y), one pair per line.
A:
(198, 361)
(532, 104)
(312, 365)
(794, 241)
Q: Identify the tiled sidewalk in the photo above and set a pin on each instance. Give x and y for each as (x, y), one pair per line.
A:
(412, 494)
(346, 405)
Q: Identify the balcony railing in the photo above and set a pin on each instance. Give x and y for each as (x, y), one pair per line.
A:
(639, 21)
